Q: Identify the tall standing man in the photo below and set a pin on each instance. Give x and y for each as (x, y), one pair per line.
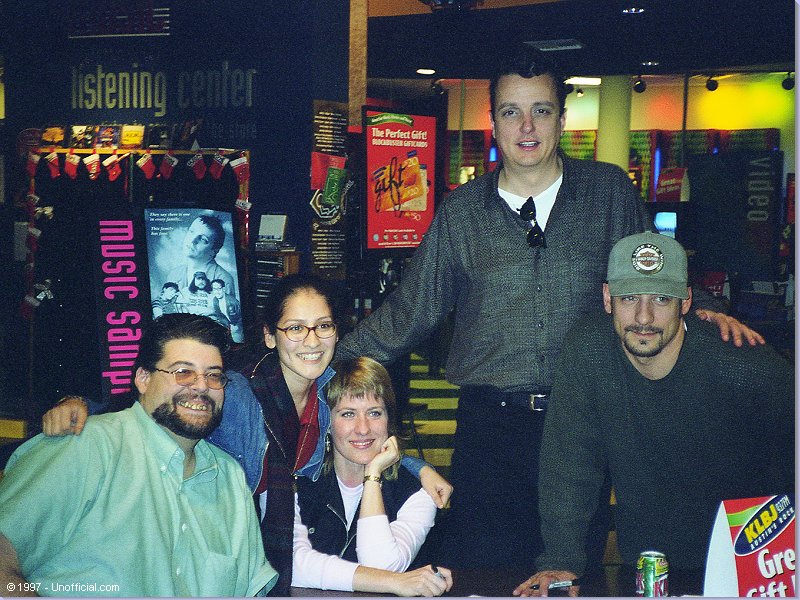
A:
(680, 418)
(519, 254)
(139, 504)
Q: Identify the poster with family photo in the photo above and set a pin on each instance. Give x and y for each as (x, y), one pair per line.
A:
(192, 265)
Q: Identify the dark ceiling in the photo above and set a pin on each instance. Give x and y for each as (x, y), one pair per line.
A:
(685, 36)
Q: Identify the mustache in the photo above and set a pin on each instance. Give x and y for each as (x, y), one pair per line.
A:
(643, 329)
(187, 395)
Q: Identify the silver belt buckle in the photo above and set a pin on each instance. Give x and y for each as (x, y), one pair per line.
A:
(532, 402)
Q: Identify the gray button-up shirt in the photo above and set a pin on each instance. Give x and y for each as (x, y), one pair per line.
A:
(513, 303)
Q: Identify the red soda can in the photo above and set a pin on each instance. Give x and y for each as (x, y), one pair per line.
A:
(652, 570)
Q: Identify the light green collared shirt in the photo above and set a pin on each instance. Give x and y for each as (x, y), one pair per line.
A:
(108, 513)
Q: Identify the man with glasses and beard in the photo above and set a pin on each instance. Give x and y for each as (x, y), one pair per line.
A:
(681, 419)
(139, 504)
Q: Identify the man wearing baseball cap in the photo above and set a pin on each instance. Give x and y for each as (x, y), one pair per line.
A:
(680, 419)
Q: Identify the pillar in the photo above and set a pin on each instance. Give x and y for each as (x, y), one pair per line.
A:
(358, 60)
(614, 121)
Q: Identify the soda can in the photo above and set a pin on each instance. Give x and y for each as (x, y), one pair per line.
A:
(652, 570)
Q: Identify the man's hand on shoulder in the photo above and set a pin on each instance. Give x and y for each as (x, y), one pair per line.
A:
(730, 327)
(67, 417)
(538, 584)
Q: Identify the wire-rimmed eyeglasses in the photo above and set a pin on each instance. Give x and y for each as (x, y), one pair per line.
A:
(298, 333)
(186, 377)
(535, 235)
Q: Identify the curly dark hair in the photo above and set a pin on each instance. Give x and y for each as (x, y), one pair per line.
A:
(178, 326)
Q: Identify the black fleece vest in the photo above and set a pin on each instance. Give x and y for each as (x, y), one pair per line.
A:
(322, 511)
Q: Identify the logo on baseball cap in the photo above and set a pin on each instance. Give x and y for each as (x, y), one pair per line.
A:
(647, 263)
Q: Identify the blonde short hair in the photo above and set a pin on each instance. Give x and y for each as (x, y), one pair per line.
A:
(359, 377)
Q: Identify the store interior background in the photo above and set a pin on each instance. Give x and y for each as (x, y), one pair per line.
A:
(306, 50)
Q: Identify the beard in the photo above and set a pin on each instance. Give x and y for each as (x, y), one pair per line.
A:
(168, 417)
(640, 350)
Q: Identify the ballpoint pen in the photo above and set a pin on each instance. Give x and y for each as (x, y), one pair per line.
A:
(556, 585)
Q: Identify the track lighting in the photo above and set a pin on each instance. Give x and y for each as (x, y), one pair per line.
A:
(639, 85)
(788, 83)
(711, 84)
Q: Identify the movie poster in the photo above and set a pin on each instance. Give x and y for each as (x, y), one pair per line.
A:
(401, 156)
(192, 259)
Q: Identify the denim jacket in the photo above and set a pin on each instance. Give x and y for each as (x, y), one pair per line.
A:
(242, 434)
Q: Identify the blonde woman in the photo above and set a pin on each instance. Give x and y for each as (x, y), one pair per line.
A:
(361, 524)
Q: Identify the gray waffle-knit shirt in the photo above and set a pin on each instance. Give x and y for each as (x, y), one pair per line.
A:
(719, 425)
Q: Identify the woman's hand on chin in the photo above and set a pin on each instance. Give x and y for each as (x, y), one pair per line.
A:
(386, 457)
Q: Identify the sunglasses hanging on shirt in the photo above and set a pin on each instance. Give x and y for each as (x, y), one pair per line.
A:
(535, 236)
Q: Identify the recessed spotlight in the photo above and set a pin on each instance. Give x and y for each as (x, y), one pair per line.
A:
(579, 92)
(632, 10)
(711, 84)
(426, 71)
(788, 83)
(639, 85)
(650, 63)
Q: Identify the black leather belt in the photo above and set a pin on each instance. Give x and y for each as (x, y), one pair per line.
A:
(535, 401)
(480, 395)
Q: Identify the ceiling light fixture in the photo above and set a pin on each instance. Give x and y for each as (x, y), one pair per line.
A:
(639, 85)
(426, 71)
(650, 63)
(711, 83)
(788, 83)
(584, 80)
(579, 93)
(632, 10)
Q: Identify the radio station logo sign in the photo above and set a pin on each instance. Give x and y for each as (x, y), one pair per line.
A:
(753, 549)
(766, 524)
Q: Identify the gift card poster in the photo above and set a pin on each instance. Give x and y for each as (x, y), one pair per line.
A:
(401, 157)
(188, 250)
(763, 534)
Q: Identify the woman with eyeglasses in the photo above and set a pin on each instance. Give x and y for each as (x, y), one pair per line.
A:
(275, 416)
(300, 333)
(361, 524)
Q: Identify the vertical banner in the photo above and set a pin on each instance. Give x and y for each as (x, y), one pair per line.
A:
(191, 253)
(401, 158)
(735, 204)
(329, 184)
(119, 271)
